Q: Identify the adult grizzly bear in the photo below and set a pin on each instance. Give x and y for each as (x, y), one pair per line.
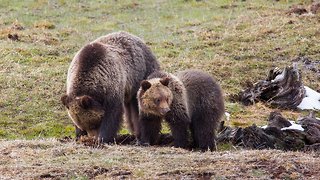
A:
(103, 77)
(192, 100)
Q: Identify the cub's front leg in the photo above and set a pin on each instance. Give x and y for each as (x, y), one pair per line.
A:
(179, 124)
(150, 126)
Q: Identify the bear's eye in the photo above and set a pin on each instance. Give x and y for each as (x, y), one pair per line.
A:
(157, 101)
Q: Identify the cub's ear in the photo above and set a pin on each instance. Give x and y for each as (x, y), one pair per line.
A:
(65, 100)
(165, 81)
(145, 85)
(85, 101)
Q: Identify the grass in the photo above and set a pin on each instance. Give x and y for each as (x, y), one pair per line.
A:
(234, 41)
(66, 160)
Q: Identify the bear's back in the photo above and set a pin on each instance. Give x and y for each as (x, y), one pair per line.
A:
(90, 70)
(122, 40)
(137, 59)
(203, 91)
(133, 47)
(118, 60)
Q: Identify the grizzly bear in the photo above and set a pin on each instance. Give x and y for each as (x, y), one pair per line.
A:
(102, 83)
(190, 102)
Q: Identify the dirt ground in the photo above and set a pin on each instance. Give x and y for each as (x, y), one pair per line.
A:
(56, 159)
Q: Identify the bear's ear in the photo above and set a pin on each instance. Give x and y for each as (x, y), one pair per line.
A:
(85, 101)
(145, 85)
(165, 81)
(65, 100)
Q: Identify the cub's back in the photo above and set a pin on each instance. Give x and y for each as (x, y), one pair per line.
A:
(202, 90)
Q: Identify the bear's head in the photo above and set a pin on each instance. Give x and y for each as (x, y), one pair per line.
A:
(85, 112)
(155, 97)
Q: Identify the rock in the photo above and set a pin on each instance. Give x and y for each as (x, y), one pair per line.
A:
(297, 10)
(313, 147)
(312, 128)
(315, 7)
(277, 120)
(13, 37)
(17, 26)
(308, 120)
(294, 140)
(312, 133)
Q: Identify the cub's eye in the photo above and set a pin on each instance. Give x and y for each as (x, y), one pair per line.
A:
(157, 101)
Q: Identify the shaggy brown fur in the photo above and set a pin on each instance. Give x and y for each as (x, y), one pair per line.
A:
(192, 100)
(104, 77)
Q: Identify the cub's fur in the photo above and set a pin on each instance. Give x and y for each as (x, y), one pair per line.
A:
(191, 102)
(103, 77)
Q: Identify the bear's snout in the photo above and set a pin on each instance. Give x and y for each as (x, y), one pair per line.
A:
(164, 111)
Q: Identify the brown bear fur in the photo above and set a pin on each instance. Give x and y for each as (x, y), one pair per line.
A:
(191, 102)
(103, 77)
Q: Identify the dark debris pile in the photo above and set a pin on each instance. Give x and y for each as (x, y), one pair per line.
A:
(272, 137)
(282, 88)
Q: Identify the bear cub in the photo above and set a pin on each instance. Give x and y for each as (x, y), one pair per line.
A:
(191, 103)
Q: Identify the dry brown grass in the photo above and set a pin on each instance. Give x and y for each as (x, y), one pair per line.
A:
(53, 159)
(257, 114)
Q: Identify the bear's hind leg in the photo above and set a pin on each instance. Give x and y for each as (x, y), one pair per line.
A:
(180, 135)
(203, 133)
(132, 116)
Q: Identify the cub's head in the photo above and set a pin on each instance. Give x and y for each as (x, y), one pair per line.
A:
(155, 97)
(85, 112)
